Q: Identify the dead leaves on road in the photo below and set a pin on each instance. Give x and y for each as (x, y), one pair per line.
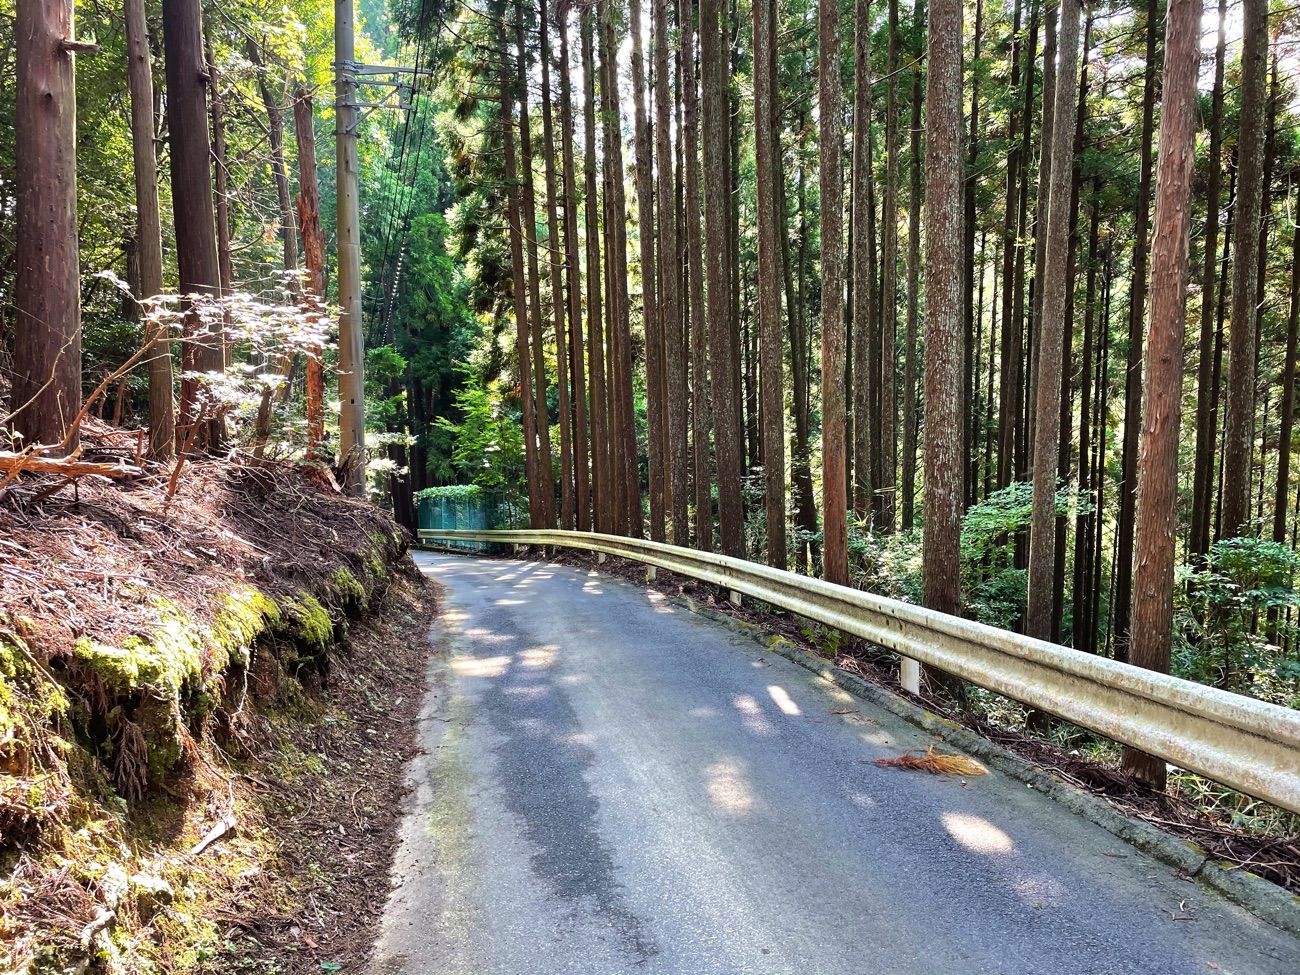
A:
(934, 763)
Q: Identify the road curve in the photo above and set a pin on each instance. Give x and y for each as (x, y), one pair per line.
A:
(609, 785)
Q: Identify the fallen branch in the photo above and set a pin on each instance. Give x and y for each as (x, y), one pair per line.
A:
(68, 467)
(227, 825)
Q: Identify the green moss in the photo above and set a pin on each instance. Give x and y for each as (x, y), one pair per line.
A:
(245, 615)
(311, 628)
(351, 593)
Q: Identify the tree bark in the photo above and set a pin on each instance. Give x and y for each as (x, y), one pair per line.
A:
(148, 227)
(1239, 411)
(1052, 329)
(673, 340)
(866, 367)
(888, 487)
(275, 133)
(717, 220)
(654, 346)
(1282, 490)
(769, 280)
(969, 386)
(601, 474)
(1008, 363)
(631, 518)
(221, 183)
(945, 336)
(541, 410)
(835, 553)
(701, 420)
(202, 350)
(1157, 502)
(573, 283)
(914, 205)
(1207, 393)
(313, 250)
(1133, 375)
(523, 358)
(555, 261)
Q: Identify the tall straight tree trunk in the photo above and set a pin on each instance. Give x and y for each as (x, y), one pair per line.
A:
(602, 475)
(701, 410)
(202, 351)
(1133, 377)
(1083, 595)
(805, 499)
(221, 178)
(913, 283)
(1052, 330)
(46, 392)
(280, 172)
(1067, 405)
(1030, 425)
(1207, 394)
(541, 410)
(1239, 411)
(313, 250)
(945, 336)
(1008, 366)
(573, 284)
(835, 552)
(670, 319)
(567, 499)
(971, 318)
(889, 289)
(724, 360)
(523, 370)
(1157, 502)
(654, 346)
(631, 518)
(1283, 487)
(148, 226)
(866, 367)
(769, 279)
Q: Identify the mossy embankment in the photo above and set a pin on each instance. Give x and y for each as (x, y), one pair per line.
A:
(158, 655)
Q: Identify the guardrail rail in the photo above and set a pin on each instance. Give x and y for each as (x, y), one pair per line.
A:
(1249, 745)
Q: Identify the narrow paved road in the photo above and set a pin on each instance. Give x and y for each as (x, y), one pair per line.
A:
(612, 785)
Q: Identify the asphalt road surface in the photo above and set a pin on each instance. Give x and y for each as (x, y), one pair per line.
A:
(610, 784)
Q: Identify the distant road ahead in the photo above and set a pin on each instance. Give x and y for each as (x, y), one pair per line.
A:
(611, 785)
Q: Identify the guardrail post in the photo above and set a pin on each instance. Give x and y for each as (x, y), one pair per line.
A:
(734, 597)
(651, 573)
(600, 558)
(909, 674)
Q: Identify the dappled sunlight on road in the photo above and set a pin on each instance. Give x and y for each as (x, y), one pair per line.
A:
(728, 789)
(976, 833)
(752, 716)
(783, 701)
(481, 666)
(539, 656)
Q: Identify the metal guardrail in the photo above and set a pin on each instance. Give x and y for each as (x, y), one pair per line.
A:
(1249, 745)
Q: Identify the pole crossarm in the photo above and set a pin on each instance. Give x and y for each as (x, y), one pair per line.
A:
(1249, 745)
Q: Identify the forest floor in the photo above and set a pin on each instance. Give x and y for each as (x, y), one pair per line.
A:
(1227, 825)
(209, 682)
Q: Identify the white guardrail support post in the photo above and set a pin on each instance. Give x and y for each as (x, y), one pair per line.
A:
(1251, 746)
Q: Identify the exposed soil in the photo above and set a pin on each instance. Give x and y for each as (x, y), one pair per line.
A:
(1274, 857)
(187, 783)
(328, 794)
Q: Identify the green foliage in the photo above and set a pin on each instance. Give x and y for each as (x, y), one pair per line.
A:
(1230, 619)
(488, 442)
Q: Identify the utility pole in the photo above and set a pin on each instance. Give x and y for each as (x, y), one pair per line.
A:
(352, 407)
